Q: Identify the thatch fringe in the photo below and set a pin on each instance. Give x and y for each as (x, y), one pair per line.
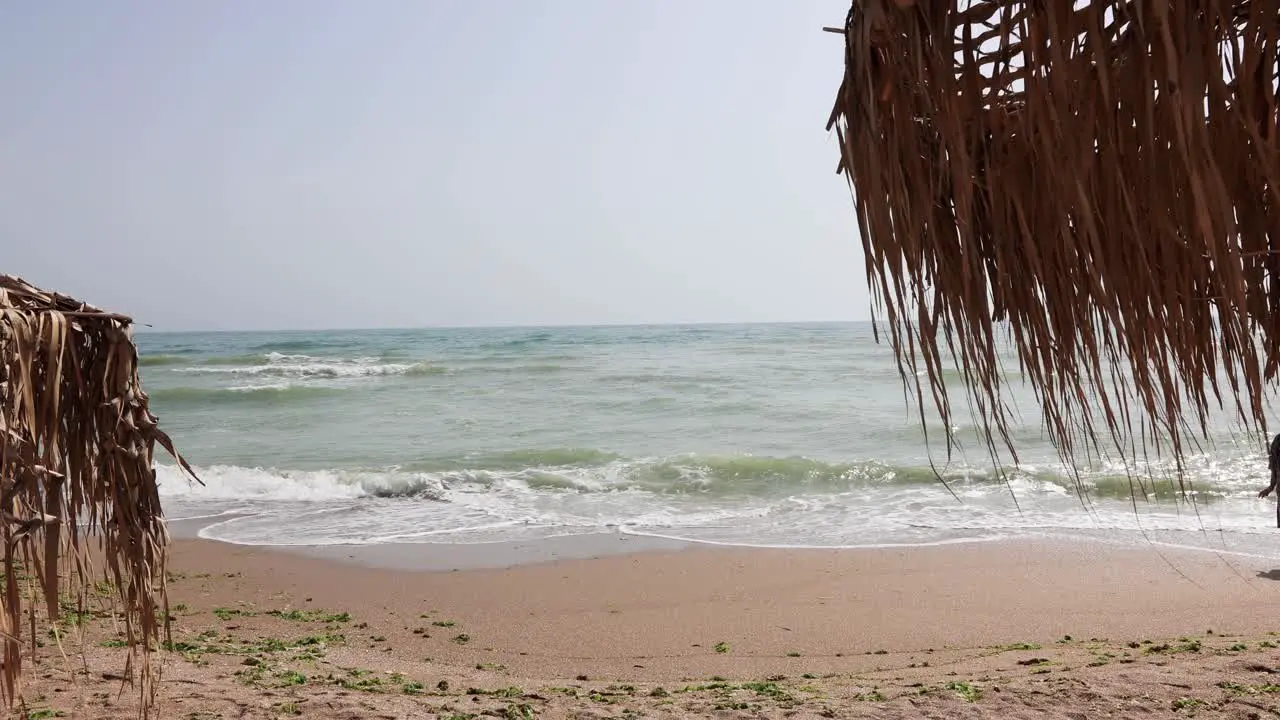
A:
(76, 443)
(1094, 182)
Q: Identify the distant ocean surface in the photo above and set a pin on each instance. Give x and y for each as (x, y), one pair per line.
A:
(764, 435)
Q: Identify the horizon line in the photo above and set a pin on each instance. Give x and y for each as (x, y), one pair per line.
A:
(144, 328)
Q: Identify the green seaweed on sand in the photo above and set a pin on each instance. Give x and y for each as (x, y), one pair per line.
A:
(310, 616)
(507, 692)
(225, 613)
(768, 689)
(519, 711)
(1185, 645)
(1018, 646)
(966, 690)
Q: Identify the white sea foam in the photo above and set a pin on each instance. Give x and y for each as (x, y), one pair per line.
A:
(223, 482)
(368, 507)
(310, 367)
(307, 370)
(280, 387)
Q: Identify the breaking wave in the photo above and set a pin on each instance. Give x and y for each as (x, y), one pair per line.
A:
(794, 502)
(598, 471)
(287, 367)
(157, 360)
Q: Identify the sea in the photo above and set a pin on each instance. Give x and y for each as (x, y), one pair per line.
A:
(795, 435)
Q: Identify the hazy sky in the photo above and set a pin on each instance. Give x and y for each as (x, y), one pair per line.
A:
(243, 164)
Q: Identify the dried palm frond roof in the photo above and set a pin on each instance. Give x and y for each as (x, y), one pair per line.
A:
(1094, 183)
(76, 442)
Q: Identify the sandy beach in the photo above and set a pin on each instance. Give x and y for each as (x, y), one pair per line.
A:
(796, 360)
(1015, 629)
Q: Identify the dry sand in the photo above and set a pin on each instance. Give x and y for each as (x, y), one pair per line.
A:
(1068, 630)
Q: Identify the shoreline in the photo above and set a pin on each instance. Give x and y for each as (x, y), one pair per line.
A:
(499, 554)
(439, 557)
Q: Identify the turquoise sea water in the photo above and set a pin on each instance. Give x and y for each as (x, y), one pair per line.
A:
(783, 435)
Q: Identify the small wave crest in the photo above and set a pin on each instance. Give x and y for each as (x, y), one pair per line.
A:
(515, 460)
(254, 359)
(540, 337)
(425, 370)
(315, 342)
(542, 368)
(159, 360)
(292, 365)
(276, 393)
(275, 364)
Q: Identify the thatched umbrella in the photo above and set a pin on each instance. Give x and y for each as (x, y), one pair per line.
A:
(1094, 183)
(76, 442)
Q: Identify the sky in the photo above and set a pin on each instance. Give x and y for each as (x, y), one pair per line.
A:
(310, 164)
